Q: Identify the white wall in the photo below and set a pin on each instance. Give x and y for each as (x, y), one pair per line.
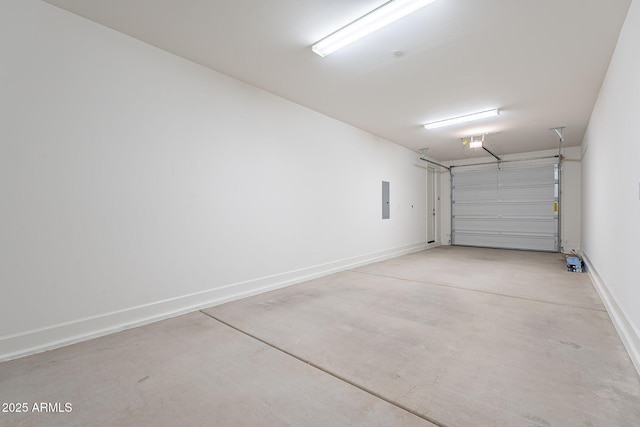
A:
(136, 185)
(611, 187)
(570, 218)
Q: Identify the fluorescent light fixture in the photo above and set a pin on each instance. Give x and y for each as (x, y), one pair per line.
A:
(462, 119)
(367, 24)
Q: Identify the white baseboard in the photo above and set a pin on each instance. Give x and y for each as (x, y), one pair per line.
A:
(50, 337)
(629, 334)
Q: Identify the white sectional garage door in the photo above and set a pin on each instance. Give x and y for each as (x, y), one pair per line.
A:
(513, 207)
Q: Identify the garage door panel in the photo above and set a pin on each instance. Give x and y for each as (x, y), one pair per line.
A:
(487, 177)
(527, 192)
(544, 209)
(528, 174)
(477, 193)
(501, 207)
(506, 225)
(531, 192)
(536, 243)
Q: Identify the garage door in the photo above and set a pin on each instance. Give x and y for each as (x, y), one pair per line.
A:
(513, 207)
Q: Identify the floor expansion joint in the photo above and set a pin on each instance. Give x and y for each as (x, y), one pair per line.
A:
(478, 290)
(326, 371)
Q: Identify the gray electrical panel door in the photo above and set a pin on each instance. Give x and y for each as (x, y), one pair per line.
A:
(385, 200)
(508, 207)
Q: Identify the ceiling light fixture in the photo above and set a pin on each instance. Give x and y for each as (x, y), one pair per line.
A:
(463, 119)
(367, 24)
(477, 143)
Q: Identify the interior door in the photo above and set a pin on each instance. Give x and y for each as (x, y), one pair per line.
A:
(431, 205)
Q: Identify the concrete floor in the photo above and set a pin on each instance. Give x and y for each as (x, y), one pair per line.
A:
(450, 336)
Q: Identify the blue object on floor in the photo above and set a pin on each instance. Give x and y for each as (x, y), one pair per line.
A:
(574, 264)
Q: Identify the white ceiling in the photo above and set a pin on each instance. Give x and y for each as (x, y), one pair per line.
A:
(540, 61)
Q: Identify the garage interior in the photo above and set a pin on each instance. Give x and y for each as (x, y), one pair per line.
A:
(406, 341)
(209, 222)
